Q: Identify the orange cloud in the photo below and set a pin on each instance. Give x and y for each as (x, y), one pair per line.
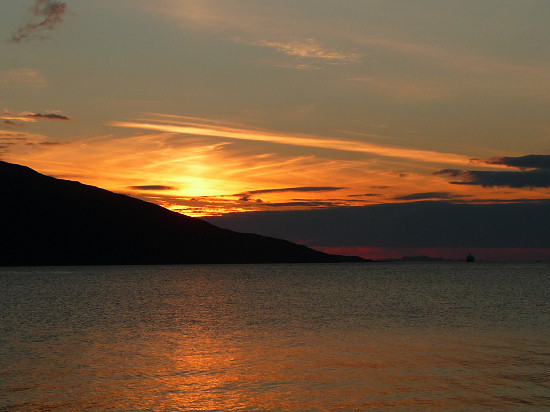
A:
(209, 130)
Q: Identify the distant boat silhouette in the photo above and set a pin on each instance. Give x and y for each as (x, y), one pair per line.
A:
(470, 258)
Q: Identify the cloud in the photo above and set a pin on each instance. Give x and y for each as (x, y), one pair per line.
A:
(523, 162)
(456, 71)
(534, 178)
(293, 189)
(304, 204)
(18, 142)
(49, 116)
(153, 187)
(49, 143)
(308, 48)
(206, 129)
(45, 15)
(22, 77)
(535, 172)
(247, 196)
(448, 172)
(30, 116)
(453, 69)
(4, 134)
(5, 142)
(452, 73)
(364, 195)
(425, 196)
(10, 123)
(458, 61)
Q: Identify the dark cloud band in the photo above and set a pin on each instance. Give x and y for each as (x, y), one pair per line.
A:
(153, 187)
(535, 172)
(292, 189)
(246, 196)
(49, 116)
(425, 196)
(17, 119)
(523, 162)
(517, 180)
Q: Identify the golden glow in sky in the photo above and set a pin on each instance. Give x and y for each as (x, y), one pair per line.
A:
(212, 107)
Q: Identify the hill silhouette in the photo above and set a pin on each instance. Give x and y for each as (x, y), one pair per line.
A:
(49, 221)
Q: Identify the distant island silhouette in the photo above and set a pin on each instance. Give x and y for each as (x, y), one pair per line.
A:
(420, 258)
(49, 221)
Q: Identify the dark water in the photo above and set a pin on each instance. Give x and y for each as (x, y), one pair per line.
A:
(451, 336)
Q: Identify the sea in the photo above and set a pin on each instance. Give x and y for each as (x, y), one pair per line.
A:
(276, 337)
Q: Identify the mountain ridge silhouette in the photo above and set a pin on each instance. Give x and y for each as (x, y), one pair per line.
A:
(50, 221)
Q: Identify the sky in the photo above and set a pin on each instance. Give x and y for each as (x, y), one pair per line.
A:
(212, 108)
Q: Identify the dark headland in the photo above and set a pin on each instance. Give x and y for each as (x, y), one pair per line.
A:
(49, 221)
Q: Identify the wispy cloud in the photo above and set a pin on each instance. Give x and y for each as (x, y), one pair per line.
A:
(9, 123)
(309, 49)
(252, 23)
(45, 16)
(449, 57)
(49, 116)
(226, 132)
(426, 196)
(249, 21)
(246, 196)
(228, 16)
(294, 189)
(16, 142)
(17, 135)
(31, 117)
(457, 72)
(411, 69)
(22, 77)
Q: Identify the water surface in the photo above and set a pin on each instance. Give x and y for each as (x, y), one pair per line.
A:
(276, 337)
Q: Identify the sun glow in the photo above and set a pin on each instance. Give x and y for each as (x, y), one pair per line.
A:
(203, 167)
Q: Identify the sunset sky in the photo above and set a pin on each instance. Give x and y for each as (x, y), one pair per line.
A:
(209, 107)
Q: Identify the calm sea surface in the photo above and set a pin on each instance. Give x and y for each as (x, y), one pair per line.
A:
(388, 336)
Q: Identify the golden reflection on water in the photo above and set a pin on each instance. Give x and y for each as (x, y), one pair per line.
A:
(375, 369)
(357, 370)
